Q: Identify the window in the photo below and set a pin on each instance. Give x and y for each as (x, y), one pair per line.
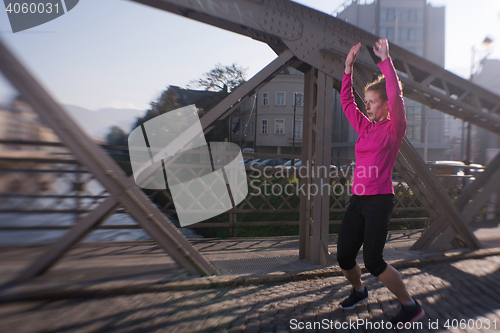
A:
(402, 34)
(298, 129)
(263, 126)
(299, 97)
(387, 14)
(419, 35)
(280, 98)
(391, 14)
(414, 122)
(411, 34)
(402, 15)
(279, 126)
(250, 126)
(412, 15)
(390, 34)
(265, 99)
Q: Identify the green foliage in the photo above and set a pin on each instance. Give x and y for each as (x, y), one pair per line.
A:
(116, 137)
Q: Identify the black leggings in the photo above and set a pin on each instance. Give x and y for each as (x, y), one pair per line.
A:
(366, 221)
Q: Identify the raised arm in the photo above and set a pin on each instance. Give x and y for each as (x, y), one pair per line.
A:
(357, 119)
(394, 94)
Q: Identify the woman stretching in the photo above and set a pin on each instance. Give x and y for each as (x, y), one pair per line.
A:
(366, 220)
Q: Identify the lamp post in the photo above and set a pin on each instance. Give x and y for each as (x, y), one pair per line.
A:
(293, 127)
(487, 45)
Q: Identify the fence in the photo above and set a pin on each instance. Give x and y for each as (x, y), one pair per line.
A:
(44, 178)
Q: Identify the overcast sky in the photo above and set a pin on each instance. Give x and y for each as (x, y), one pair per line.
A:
(116, 53)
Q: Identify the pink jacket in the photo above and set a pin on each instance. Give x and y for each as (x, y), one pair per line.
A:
(378, 143)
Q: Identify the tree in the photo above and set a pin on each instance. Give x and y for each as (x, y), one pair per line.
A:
(166, 102)
(221, 78)
(217, 84)
(116, 137)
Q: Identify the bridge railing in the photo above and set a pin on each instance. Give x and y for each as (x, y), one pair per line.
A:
(44, 178)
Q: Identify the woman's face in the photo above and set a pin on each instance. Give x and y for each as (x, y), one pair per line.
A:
(376, 108)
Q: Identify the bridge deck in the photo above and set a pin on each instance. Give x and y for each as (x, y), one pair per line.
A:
(107, 264)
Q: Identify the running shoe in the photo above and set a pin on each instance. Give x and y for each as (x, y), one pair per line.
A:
(408, 314)
(355, 298)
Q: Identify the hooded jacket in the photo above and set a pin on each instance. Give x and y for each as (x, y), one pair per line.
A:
(378, 143)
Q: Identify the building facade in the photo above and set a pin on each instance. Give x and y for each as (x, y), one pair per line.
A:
(420, 28)
(267, 118)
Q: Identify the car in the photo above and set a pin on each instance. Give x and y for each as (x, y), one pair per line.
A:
(447, 167)
(271, 162)
(254, 162)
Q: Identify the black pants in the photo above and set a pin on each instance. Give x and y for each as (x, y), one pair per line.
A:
(366, 223)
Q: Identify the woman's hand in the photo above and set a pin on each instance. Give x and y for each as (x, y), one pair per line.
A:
(381, 48)
(351, 58)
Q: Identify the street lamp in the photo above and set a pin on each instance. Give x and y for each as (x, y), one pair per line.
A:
(487, 46)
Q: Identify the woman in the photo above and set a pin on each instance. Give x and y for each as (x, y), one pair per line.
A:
(367, 218)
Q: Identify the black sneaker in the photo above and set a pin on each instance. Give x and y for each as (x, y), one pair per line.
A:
(408, 314)
(356, 297)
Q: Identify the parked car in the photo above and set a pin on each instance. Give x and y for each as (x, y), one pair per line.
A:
(289, 163)
(254, 162)
(271, 162)
(447, 167)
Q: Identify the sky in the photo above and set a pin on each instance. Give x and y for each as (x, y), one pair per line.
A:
(117, 53)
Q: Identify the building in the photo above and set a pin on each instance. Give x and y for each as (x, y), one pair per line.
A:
(485, 145)
(419, 28)
(268, 116)
(19, 122)
(411, 24)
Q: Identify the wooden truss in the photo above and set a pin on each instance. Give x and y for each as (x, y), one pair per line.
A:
(316, 44)
(124, 192)
(319, 43)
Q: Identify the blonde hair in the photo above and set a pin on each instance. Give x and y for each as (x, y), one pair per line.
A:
(379, 86)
